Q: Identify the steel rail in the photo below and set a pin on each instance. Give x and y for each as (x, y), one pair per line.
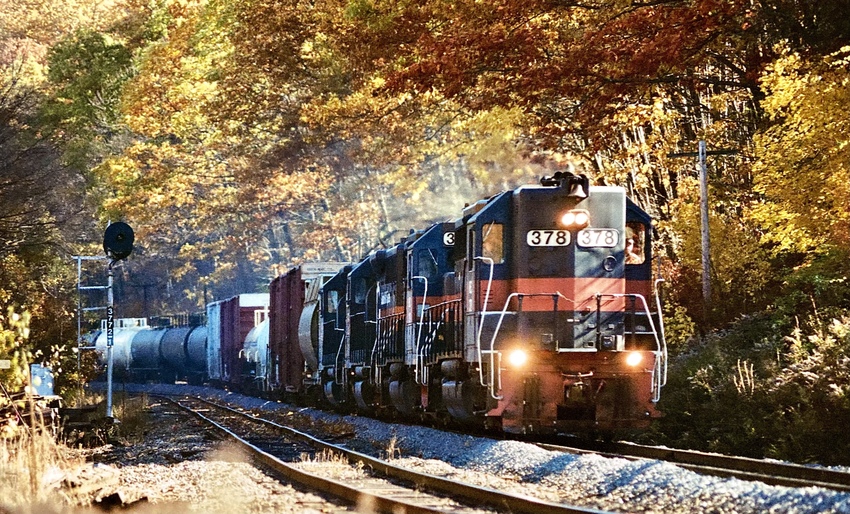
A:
(477, 495)
(715, 464)
(332, 487)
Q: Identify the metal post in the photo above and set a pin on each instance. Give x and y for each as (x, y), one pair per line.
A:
(703, 194)
(110, 337)
(80, 310)
(79, 328)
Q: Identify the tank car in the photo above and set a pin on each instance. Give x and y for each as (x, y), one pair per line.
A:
(143, 352)
(122, 355)
(254, 360)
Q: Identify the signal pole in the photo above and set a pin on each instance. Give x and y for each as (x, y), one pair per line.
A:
(110, 335)
(118, 244)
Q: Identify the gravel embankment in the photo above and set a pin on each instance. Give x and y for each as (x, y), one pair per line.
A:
(588, 480)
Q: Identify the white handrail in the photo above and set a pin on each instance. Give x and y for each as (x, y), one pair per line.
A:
(660, 343)
(492, 351)
(420, 365)
(662, 381)
(483, 314)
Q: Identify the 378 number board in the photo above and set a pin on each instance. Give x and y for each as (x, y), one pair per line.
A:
(587, 238)
(598, 238)
(547, 238)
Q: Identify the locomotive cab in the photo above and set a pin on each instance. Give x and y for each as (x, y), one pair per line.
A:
(361, 328)
(432, 323)
(333, 315)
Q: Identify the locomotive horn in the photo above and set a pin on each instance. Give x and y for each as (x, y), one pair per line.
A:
(578, 186)
(577, 191)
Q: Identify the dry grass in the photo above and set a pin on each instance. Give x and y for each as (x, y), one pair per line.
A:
(34, 463)
(393, 451)
(132, 411)
(325, 457)
(32, 467)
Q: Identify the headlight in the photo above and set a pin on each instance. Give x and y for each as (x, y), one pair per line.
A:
(575, 219)
(518, 358)
(634, 358)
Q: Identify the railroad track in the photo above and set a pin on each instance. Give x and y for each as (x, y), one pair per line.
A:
(386, 488)
(744, 468)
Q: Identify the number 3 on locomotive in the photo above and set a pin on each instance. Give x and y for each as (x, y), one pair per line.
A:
(547, 238)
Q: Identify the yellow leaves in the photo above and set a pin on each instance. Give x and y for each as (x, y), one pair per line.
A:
(739, 261)
(487, 141)
(14, 332)
(802, 169)
(780, 229)
(377, 82)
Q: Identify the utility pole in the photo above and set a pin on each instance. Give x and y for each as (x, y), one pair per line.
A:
(704, 232)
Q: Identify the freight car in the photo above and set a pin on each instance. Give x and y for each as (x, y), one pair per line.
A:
(144, 353)
(530, 313)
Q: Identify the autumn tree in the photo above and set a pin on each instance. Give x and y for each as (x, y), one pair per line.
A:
(802, 173)
(43, 210)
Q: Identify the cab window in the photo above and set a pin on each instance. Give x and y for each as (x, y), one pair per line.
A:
(634, 243)
(427, 264)
(492, 242)
(331, 301)
(358, 286)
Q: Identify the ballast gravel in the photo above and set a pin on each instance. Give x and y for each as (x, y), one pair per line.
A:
(179, 468)
(593, 481)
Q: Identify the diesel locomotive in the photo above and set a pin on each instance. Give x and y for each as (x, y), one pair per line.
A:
(533, 312)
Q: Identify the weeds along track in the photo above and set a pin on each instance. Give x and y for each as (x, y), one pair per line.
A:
(354, 477)
(715, 464)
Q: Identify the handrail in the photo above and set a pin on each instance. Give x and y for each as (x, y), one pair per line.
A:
(419, 365)
(337, 375)
(659, 373)
(660, 343)
(662, 381)
(483, 313)
(492, 351)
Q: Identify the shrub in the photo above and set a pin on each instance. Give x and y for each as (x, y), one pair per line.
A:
(750, 391)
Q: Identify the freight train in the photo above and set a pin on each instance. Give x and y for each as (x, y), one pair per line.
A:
(533, 312)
